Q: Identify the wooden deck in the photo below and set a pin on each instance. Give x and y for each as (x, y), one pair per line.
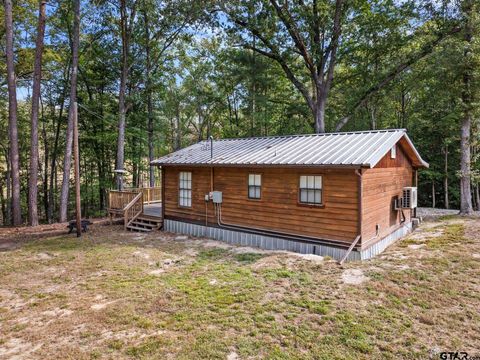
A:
(154, 210)
(141, 208)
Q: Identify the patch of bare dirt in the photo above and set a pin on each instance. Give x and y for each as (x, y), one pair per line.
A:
(354, 277)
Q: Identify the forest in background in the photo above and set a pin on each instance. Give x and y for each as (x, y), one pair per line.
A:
(154, 76)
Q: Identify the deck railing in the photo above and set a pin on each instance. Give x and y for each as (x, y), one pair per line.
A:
(129, 202)
(133, 209)
(118, 200)
(150, 194)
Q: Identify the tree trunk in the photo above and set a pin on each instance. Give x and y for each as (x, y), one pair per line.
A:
(319, 114)
(445, 179)
(148, 86)
(373, 117)
(53, 166)
(477, 196)
(178, 129)
(8, 185)
(12, 115)
(67, 161)
(37, 78)
(46, 147)
(119, 164)
(3, 204)
(434, 202)
(467, 99)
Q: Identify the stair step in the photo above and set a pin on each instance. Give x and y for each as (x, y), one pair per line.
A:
(150, 218)
(137, 228)
(147, 225)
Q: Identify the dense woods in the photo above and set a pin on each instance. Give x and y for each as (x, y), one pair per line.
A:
(153, 76)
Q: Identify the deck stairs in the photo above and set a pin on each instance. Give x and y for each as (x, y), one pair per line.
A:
(145, 223)
(141, 209)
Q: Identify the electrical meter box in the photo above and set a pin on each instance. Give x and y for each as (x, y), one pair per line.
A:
(217, 197)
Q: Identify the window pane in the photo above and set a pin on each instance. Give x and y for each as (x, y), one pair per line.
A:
(303, 182)
(251, 192)
(257, 192)
(303, 195)
(318, 182)
(258, 180)
(310, 196)
(318, 199)
(251, 179)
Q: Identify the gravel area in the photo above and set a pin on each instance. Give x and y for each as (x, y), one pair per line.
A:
(433, 213)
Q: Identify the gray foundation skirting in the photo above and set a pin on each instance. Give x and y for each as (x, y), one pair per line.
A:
(272, 243)
(381, 245)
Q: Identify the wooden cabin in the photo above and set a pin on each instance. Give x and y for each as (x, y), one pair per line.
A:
(345, 195)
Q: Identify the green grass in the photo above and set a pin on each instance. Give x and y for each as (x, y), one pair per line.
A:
(452, 234)
(257, 305)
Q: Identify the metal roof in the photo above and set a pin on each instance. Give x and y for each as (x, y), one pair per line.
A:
(345, 149)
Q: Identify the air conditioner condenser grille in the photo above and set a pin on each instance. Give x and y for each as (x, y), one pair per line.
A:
(407, 198)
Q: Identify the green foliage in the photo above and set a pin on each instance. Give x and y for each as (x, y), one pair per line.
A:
(205, 80)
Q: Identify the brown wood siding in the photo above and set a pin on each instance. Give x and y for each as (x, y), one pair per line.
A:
(380, 186)
(278, 209)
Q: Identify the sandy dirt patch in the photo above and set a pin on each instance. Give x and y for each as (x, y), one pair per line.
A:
(354, 277)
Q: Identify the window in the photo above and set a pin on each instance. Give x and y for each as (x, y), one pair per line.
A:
(254, 186)
(185, 189)
(311, 189)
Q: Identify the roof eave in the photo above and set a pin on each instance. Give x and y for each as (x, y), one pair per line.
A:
(322, 166)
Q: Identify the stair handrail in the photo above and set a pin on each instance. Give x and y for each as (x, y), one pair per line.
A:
(133, 209)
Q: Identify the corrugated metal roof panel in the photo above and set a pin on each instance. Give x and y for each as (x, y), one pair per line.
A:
(358, 149)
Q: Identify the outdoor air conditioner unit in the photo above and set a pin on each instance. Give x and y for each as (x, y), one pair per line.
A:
(409, 198)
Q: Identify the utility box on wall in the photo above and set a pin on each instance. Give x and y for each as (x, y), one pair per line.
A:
(217, 197)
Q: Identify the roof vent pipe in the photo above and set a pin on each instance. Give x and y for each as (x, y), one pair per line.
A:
(211, 146)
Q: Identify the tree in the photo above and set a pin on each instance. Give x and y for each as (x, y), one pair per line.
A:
(308, 41)
(12, 115)
(67, 161)
(164, 23)
(466, 208)
(127, 20)
(311, 32)
(37, 77)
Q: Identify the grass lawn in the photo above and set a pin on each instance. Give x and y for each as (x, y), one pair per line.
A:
(114, 294)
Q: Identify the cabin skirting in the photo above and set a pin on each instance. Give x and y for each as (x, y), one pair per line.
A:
(238, 237)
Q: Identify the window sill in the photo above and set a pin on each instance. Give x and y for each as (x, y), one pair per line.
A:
(184, 207)
(315, 206)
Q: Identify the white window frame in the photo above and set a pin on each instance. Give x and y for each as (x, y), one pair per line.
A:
(393, 152)
(310, 190)
(254, 188)
(185, 189)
